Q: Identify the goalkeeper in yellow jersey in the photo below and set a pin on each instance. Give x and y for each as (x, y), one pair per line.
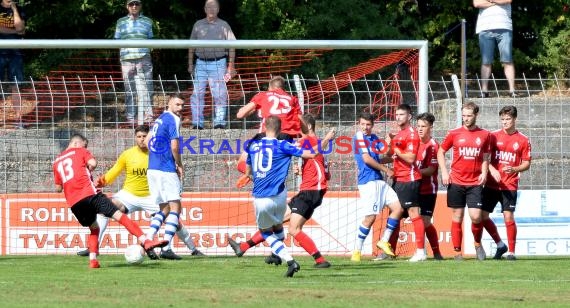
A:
(135, 195)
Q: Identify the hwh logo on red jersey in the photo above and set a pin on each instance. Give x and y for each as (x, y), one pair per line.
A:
(505, 156)
(469, 151)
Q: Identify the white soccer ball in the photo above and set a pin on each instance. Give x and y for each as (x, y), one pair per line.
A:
(134, 254)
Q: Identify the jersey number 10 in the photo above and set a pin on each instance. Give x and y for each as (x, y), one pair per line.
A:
(258, 160)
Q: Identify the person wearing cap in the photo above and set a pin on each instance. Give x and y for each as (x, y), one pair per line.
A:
(136, 61)
(214, 66)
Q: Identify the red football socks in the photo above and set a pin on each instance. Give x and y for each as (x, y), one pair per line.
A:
(93, 241)
(511, 234)
(456, 235)
(307, 243)
(492, 230)
(419, 230)
(256, 238)
(431, 234)
(477, 230)
(132, 227)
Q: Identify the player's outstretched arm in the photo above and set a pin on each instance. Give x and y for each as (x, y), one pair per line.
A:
(246, 110)
(322, 145)
(328, 137)
(110, 176)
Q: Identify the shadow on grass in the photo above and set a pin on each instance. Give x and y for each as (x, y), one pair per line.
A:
(147, 264)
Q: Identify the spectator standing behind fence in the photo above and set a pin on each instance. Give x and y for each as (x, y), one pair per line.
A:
(12, 27)
(136, 62)
(495, 26)
(214, 66)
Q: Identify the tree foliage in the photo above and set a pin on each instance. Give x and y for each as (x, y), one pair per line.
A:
(541, 36)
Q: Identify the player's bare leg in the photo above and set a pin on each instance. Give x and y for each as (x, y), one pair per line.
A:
(287, 215)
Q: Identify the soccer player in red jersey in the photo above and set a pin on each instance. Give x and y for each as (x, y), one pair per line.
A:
(468, 174)
(407, 176)
(72, 175)
(315, 174)
(510, 155)
(427, 163)
(277, 102)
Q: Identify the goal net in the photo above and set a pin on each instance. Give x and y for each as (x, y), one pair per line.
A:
(85, 93)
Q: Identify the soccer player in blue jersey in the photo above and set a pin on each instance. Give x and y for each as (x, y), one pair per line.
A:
(268, 165)
(165, 169)
(375, 193)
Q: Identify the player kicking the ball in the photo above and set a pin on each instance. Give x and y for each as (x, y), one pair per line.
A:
(72, 175)
(135, 195)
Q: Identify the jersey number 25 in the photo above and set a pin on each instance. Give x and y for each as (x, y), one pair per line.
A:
(279, 105)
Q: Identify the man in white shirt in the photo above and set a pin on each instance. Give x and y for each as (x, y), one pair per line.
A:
(495, 27)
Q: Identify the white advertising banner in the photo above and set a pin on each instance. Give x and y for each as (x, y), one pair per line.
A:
(543, 225)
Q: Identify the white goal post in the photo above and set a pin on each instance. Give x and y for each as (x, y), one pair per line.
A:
(421, 45)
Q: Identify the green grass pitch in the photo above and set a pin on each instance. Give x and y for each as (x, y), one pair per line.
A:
(66, 281)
